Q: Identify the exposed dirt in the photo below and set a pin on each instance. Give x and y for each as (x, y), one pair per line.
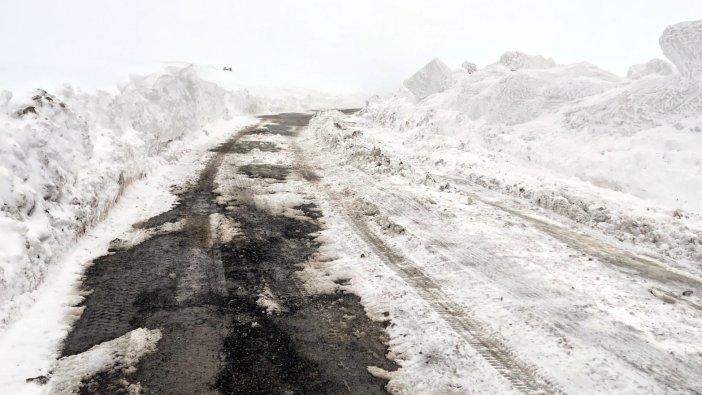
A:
(215, 337)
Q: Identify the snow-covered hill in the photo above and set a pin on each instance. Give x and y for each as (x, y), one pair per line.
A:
(67, 155)
(621, 155)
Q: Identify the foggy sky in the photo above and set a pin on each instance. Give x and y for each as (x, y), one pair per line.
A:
(359, 45)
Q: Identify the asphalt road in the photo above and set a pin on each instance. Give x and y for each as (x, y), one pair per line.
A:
(203, 292)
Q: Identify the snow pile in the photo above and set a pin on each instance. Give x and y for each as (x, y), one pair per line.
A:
(515, 60)
(620, 155)
(469, 67)
(434, 77)
(652, 67)
(682, 44)
(66, 157)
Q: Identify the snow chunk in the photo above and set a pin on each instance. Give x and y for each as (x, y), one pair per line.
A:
(137, 235)
(433, 78)
(222, 229)
(682, 44)
(121, 353)
(652, 67)
(5, 97)
(269, 301)
(469, 67)
(518, 60)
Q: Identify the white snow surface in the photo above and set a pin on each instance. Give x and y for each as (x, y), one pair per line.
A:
(516, 60)
(620, 155)
(428, 245)
(67, 156)
(30, 346)
(682, 44)
(652, 67)
(434, 77)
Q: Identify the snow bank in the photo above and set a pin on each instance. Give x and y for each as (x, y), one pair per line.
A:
(515, 60)
(469, 67)
(652, 67)
(67, 157)
(620, 155)
(434, 77)
(682, 44)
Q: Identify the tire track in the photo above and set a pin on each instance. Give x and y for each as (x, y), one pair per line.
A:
(443, 244)
(603, 251)
(522, 375)
(497, 353)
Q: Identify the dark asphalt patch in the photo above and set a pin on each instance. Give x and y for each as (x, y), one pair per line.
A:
(319, 344)
(243, 147)
(215, 337)
(265, 171)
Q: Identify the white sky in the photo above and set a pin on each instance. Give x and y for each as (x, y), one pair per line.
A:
(353, 45)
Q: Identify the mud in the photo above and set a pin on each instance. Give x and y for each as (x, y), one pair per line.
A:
(216, 338)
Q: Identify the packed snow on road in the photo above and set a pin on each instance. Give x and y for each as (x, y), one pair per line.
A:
(524, 227)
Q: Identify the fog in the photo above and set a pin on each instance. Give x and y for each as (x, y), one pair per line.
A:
(357, 46)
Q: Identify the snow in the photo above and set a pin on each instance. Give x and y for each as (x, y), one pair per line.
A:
(516, 60)
(620, 155)
(30, 346)
(222, 229)
(275, 99)
(682, 44)
(506, 192)
(504, 199)
(122, 353)
(139, 235)
(66, 158)
(520, 275)
(469, 67)
(652, 67)
(434, 77)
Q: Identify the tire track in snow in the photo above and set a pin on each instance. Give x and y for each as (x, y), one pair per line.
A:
(601, 250)
(444, 245)
(522, 375)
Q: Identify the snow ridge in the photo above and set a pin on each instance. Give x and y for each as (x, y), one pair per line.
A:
(618, 154)
(434, 77)
(67, 157)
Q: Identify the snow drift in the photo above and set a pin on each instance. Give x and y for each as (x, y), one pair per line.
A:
(516, 60)
(618, 154)
(67, 156)
(652, 67)
(682, 44)
(434, 77)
